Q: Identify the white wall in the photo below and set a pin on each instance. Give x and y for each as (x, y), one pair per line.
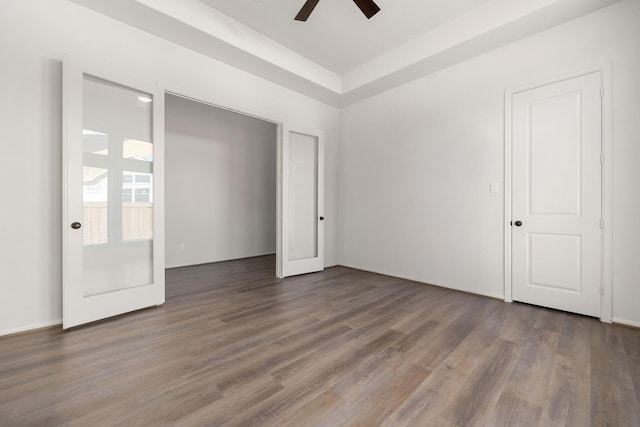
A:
(34, 35)
(416, 162)
(220, 184)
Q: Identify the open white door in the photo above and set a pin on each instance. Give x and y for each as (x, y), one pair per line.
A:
(113, 245)
(302, 189)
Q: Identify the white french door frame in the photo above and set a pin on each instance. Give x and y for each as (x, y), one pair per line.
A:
(101, 307)
(606, 178)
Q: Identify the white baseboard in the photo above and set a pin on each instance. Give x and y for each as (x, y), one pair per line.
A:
(170, 266)
(12, 331)
(625, 322)
(413, 279)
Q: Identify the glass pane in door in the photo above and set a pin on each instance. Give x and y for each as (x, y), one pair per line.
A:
(117, 187)
(303, 194)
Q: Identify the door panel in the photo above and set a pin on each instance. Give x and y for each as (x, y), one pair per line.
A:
(555, 261)
(557, 195)
(113, 256)
(117, 260)
(303, 193)
(555, 160)
(303, 250)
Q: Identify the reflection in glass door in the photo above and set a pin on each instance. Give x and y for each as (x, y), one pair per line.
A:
(303, 196)
(117, 187)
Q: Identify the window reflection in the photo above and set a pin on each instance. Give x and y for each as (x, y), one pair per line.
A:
(118, 187)
(137, 205)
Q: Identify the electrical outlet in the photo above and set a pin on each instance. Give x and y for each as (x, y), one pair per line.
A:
(181, 247)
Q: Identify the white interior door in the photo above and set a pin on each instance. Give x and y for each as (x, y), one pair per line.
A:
(113, 250)
(557, 206)
(302, 203)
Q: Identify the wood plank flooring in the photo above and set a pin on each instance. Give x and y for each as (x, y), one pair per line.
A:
(234, 346)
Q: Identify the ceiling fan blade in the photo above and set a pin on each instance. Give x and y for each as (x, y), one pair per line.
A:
(306, 10)
(368, 7)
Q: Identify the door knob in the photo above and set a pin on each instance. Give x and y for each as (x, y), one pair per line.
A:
(321, 218)
(76, 225)
(518, 223)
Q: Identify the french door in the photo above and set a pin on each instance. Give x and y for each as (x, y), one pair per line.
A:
(302, 187)
(113, 245)
(557, 195)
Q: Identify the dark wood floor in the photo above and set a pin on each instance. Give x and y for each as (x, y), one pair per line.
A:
(235, 346)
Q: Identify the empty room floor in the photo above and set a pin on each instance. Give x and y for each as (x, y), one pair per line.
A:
(234, 346)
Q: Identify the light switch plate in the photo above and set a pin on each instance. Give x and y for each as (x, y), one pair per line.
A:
(494, 187)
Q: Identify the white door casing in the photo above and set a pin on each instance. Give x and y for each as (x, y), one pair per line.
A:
(557, 195)
(302, 218)
(113, 193)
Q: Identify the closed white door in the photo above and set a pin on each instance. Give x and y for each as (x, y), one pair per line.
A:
(113, 251)
(557, 195)
(303, 203)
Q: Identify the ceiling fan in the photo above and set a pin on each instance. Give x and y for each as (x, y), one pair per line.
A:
(368, 7)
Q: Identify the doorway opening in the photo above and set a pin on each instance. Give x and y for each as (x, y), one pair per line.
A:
(220, 184)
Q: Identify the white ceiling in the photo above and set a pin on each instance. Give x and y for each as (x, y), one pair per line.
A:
(337, 35)
(338, 56)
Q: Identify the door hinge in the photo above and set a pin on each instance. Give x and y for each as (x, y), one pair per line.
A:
(601, 92)
(601, 289)
(602, 158)
(601, 223)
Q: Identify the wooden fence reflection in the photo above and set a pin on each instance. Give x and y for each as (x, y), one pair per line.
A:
(137, 222)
